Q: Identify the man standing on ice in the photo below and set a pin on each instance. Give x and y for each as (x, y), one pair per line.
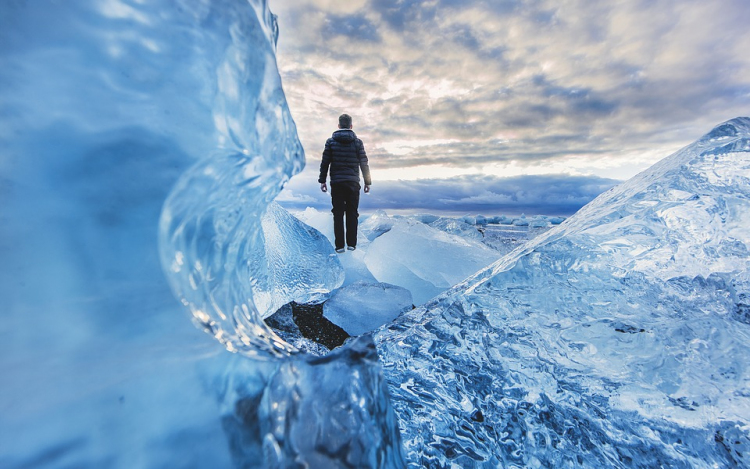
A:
(345, 155)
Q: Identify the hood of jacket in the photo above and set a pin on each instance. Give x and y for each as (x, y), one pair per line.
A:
(344, 135)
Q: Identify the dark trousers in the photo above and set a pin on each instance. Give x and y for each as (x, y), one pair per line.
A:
(345, 201)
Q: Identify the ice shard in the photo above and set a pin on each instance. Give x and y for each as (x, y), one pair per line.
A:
(405, 256)
(363, 307)
(619, 338)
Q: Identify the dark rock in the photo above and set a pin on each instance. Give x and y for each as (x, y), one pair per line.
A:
(311, 323)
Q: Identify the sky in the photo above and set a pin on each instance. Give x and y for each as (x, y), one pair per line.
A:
(506, 107)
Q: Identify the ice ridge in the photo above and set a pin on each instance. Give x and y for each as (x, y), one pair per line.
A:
(617, 339)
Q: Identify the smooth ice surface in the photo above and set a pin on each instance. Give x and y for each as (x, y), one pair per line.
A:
(321, 221)
(619, 338)
(425, 260)
(363, 307)
(400, 250)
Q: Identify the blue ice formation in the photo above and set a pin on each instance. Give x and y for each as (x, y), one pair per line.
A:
(405, 256)
(363, 307)
(102, 106)
(618, 339)
(125, 123)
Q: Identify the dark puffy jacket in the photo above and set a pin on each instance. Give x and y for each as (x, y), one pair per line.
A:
(345, 154)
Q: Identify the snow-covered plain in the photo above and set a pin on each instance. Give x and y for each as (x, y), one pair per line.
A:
(142, 147)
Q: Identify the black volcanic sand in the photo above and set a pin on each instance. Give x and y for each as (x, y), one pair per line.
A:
(312, 325)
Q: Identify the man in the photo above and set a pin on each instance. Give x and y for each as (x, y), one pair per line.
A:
(345, 154)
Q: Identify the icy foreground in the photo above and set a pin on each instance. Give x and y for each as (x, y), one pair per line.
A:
(619, 339)
(124, 124)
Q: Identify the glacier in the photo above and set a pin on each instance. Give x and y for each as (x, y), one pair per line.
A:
(142, 146)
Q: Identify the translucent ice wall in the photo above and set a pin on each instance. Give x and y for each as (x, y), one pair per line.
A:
(212, 243)
(125, 121)
(103, 104)
(620, 338)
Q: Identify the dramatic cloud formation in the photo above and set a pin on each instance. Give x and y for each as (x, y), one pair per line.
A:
(441, 88)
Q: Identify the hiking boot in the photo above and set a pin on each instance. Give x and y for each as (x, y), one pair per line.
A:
(339, 250)
(351, 248)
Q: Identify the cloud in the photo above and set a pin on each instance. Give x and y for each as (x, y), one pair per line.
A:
(528, 81)
(355, 27)
(488, 195)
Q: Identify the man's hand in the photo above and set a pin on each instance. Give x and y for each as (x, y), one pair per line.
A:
(367, 189)
(323, 187)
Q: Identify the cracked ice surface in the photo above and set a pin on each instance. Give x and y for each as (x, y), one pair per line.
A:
(619, 338)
